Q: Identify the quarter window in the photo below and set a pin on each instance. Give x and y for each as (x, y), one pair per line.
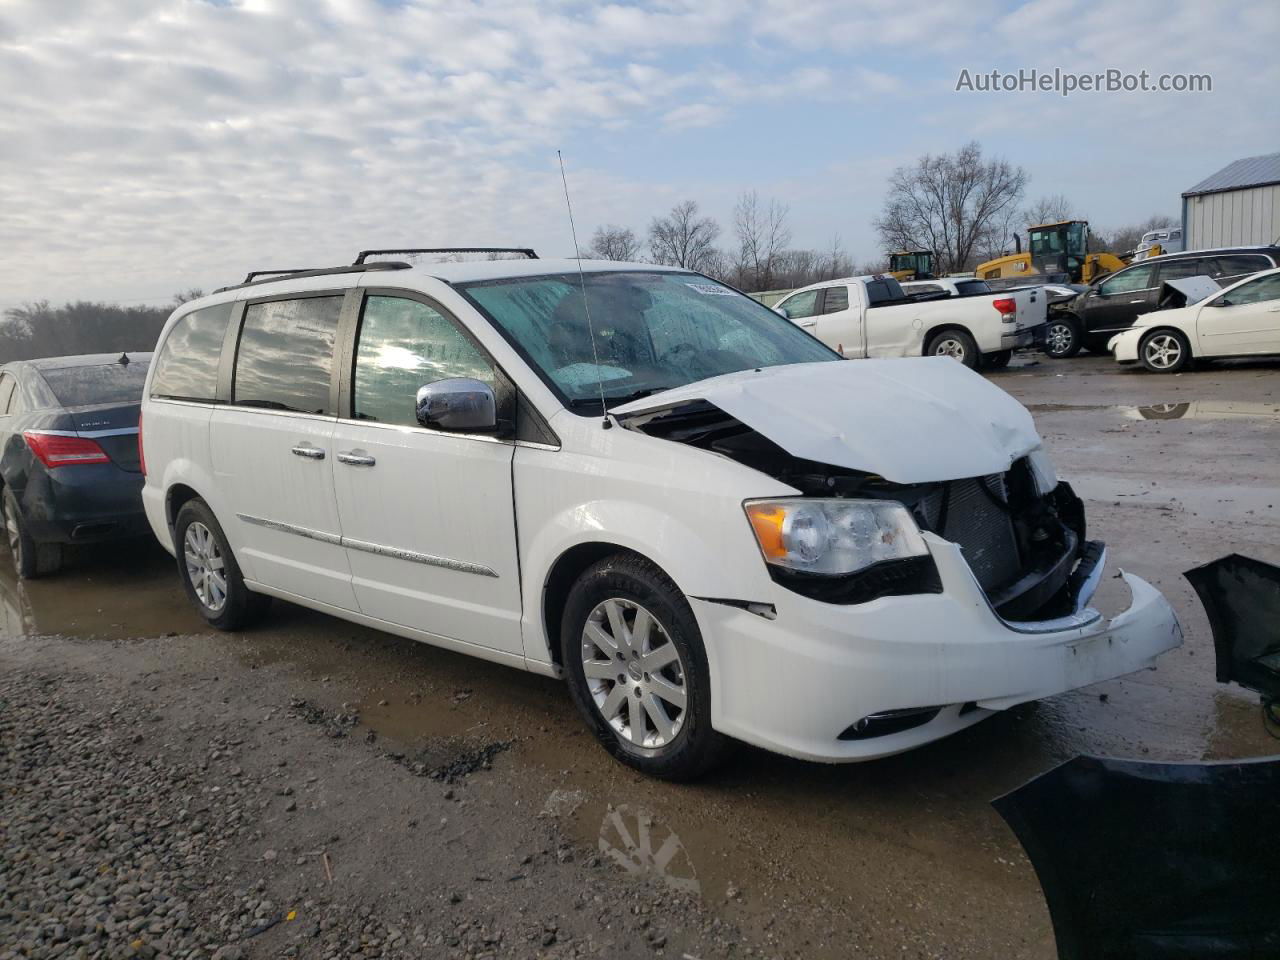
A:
(837, 299)
(6, 394)
(285, 360)
(405, 344)
(1138, 278)
(1241, 265)
(187, 367)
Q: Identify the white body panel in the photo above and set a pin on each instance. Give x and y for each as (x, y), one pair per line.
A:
(515, 508)
(904, 329)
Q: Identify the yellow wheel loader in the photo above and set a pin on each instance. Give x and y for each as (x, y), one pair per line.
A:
(911, 265)
(1053, 249)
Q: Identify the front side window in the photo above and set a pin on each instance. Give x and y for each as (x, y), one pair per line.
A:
(1137, 278)
(837, 300)
(285, 358)
(652, 331)
(403, 345)
(801, 305)
(187, 367)
(1255, 291)
(100, 383)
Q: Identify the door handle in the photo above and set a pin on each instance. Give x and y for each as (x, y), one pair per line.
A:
(311, 453)
(807, 323)
(356, 459)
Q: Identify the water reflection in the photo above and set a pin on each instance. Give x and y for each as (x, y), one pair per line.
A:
(1206, 410)
(637, 843)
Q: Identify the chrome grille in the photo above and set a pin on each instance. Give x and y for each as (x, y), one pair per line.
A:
(974, 520)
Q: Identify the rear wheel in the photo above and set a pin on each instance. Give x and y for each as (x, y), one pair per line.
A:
(1165, 351)
(209, 570)
(30, 559)
(637, 669)
(1062, 338)
(956, 344)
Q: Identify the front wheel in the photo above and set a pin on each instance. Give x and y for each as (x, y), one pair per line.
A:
(956, 344)
(1062, 338)
(209, 570)
(1165, 351)
(637, 669)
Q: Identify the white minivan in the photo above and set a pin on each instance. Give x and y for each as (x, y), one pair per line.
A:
(642, 481)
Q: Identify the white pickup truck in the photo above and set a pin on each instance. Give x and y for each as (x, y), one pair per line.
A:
(873, 316)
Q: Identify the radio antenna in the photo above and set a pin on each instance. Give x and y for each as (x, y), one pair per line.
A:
(582, 283)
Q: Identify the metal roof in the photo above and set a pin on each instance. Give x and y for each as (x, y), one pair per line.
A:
(1248, 172)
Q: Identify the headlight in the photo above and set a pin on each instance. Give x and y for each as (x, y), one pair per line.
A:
(833, 537)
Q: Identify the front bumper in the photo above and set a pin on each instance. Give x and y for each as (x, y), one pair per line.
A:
(794, 684)
(1124, 346)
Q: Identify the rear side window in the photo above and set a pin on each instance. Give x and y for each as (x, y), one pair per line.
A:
(285, 358)
(405, 344)
(1241, 264)
(102, 383)
(187, 367)
(1180, 269)
(837, 299)
(972, 287)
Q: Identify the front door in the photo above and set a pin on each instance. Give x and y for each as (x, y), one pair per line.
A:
(272, 450)
(1244, 320)
(427, 516)
(839, 325)
(1117, 301)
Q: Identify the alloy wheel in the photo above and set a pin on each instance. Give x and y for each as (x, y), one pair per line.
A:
(950, 347)
(206, 567)
(634, 673)
(1162, 351)
(1058, 338)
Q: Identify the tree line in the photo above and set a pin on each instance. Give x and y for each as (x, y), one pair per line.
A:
(40, 329)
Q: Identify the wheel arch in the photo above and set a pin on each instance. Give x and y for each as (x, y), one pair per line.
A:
(177, 496)
(1166, 328)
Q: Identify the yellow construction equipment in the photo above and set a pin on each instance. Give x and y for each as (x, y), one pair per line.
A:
(911, 265)
(1053, 248)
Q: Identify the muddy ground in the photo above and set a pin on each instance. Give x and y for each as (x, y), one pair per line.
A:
(386, 798)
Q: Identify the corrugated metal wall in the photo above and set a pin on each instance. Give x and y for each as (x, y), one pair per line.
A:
(1232, 218)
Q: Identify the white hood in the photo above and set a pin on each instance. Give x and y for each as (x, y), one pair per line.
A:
(909, 420)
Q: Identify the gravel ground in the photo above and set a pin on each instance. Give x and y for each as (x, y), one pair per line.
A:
(137, 824)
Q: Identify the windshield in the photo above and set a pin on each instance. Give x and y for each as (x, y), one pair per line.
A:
(653, 331)
(105, 383)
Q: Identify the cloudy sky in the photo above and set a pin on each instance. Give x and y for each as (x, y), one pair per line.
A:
(152, 145)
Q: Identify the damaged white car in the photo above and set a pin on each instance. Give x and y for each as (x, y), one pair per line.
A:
(641, 481)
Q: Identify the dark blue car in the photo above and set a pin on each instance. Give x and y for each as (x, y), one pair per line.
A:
(70, 468)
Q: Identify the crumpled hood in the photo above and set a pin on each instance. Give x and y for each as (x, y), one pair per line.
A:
(909, 420)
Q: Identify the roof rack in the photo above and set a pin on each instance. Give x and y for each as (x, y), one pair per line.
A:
(272, 276)
(254, 274)
(527, 251)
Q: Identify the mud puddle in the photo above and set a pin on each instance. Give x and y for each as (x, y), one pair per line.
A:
(1180, 410)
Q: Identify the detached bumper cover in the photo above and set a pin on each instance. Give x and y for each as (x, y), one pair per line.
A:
(793, 684)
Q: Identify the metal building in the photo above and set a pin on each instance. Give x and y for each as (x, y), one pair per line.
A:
(1237, 206)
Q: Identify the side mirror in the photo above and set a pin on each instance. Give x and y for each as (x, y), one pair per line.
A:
(458, 403)
(1221, 302)
(782, 312)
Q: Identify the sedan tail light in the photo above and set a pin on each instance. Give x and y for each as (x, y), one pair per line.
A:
(56, 450)
(1007, 307)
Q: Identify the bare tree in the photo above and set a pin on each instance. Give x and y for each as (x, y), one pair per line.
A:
(684, 239)
(612, 242)
(1052, 209)
(763, 235)
(949, 204)
(185, 296)
(1124, 239)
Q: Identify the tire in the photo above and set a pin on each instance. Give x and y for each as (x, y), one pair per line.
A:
(998, 360)
(619, 590)
(202, 548)
(1063, 338)
(32, 560)
(1165, 351)
(956, 344)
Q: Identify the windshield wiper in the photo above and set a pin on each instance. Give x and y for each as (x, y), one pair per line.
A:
(615, 401)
